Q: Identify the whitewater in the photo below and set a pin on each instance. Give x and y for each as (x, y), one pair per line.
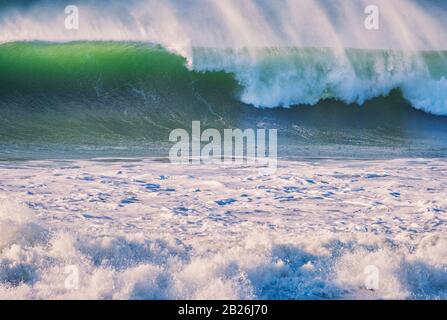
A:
(147, 229)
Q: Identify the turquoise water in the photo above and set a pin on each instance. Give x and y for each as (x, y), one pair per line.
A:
(123, 99)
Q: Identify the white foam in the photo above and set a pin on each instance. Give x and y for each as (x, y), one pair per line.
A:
(274, 242)
(286, 77)
(428, 95)
(17, 226)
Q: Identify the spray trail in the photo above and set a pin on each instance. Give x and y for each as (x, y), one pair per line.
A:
(181, 25)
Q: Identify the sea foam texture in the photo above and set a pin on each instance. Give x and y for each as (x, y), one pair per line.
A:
(149, 230)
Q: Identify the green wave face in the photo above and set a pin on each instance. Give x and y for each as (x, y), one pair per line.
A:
(88, 96)
(83, 67)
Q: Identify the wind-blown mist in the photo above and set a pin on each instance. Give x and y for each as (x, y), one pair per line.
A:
(183, 24)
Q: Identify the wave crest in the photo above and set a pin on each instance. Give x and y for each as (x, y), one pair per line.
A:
(291, 76)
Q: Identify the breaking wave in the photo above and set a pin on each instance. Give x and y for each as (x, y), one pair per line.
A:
(131, 94)
(290, 76)
(269, 77)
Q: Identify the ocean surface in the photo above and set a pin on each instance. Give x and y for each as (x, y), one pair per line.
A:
(133, 72)
(143, 229)
(85, 99)
(91, 208)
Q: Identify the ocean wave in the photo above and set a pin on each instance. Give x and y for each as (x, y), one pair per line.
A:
(393, 57)
(266, 77)
(290, 76)
(120, 98)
